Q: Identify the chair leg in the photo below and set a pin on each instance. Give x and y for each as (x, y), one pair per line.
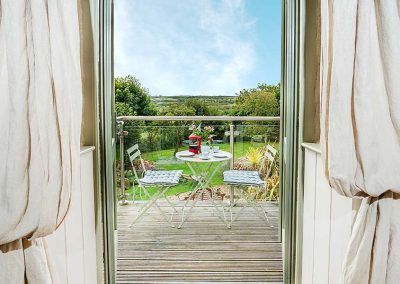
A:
(162, 194)
(241, 196)
(145, 207)
(232, 196)
(261, 212)
(252, 202)
(134, 193)
(153, 201)
(140, 193)
(170, 203)
(232, 203)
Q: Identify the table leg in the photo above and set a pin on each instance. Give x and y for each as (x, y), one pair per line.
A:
(204, 179)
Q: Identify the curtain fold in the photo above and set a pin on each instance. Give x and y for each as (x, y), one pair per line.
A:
(360, 136)
(40, 124)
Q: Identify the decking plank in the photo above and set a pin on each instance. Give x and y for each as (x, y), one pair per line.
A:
(204, 250)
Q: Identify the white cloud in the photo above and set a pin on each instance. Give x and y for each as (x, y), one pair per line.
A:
(184, 47)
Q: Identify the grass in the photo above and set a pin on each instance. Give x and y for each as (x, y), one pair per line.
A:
(165, 160)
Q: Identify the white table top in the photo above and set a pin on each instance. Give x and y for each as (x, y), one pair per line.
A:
(197, 159)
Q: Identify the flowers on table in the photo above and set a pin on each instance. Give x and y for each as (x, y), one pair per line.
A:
(204, 132)
(200, 134)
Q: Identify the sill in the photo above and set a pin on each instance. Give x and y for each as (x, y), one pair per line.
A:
(86, 149)
(315, 147)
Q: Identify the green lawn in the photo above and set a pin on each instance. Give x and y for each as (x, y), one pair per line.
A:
(164, 160)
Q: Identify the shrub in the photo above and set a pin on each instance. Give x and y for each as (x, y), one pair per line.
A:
(254, 161)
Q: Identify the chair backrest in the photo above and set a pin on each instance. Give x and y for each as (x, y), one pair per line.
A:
(134, 153)
(269, 154)
(271, 151)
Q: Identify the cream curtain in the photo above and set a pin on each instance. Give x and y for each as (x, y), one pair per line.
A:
(40, 121)
(360, 86)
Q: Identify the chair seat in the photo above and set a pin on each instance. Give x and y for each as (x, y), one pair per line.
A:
(239, 177)
(161, 177)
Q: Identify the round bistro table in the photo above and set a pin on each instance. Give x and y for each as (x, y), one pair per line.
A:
(203, 176)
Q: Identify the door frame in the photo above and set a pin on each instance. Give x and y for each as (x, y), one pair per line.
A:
(107, 137)
(291, 76)
(293, 19)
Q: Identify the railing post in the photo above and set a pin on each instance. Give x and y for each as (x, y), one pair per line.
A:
(232, 150)
(232, 143)
(122, 134)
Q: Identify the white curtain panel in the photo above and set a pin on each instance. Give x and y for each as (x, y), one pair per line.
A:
(360, 119)
(40, 120)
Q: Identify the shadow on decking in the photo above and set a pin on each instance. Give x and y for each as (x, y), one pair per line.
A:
(204, 250)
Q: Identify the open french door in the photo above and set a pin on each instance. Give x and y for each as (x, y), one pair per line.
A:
(291, 39)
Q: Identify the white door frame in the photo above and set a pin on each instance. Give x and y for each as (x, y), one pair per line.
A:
(290, 93)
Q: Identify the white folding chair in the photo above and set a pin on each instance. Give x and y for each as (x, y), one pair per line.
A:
(242, 180)
(162, 180)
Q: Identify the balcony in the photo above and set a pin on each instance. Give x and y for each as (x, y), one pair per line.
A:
(204, 249)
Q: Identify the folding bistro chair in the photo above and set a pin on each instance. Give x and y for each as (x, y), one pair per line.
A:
(162, 180)
(242, 180)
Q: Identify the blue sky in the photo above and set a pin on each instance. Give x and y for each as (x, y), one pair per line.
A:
(198, 47)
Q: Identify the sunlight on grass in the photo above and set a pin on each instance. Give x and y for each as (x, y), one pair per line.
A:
(165, 160)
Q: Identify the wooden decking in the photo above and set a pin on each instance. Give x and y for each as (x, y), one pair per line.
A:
(204, 250)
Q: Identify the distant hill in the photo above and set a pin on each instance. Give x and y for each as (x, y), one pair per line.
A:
(223, 102)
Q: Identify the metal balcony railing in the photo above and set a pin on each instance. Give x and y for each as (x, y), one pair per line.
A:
(230, 132)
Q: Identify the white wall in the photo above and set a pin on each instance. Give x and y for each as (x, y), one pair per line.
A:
(73, 245)
(327, 221)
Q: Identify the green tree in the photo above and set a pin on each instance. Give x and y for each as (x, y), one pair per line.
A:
(256, 102)
(132, 99)
(122, 108)
(201, 107)
(259, 101)
(130, 92)
(275, 89)
(177, 130)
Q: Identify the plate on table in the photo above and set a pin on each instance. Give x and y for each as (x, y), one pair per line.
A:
(220, 155)
(204, 157)
(186, 154)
